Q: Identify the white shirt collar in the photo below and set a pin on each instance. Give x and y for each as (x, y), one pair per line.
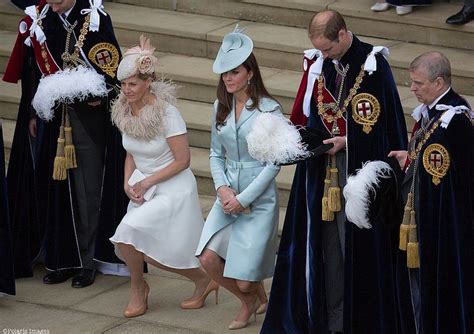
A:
(435, 102)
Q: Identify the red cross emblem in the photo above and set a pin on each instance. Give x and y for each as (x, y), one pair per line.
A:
(436, 159)
(364, 110)
(103, 57)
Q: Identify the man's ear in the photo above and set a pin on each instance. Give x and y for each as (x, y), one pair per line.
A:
(341, 35)
(439, 82)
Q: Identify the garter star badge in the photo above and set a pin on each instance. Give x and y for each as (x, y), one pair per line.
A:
(106, 56)
(436, 162)
(365, 111)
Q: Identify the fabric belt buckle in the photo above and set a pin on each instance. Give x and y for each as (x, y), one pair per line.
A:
(244, 164)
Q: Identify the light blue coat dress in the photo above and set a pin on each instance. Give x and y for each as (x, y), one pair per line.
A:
(252, 245)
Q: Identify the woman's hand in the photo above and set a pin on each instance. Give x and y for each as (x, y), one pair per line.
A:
(133, 196)
(225, 194)
(140, 188)
(232, 206)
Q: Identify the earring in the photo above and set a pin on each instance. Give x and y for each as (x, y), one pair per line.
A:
(248, 82)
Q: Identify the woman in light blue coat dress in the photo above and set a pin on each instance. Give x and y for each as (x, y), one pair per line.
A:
(239, 240)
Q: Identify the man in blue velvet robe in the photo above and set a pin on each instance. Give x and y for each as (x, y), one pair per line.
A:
(440, 178)
(69, 219)
(330, 276)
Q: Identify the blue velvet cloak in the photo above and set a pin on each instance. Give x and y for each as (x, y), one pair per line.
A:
(41, 208)
(370, 302)
(445, 226)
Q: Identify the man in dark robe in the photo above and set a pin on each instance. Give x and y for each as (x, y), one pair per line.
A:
(437, 232)
(7, 277)
(330, 276)
(76, 212)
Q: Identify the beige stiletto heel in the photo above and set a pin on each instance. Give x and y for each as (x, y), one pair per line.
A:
(199, 302)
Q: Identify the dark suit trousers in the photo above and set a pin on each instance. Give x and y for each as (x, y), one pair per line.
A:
(88, 131)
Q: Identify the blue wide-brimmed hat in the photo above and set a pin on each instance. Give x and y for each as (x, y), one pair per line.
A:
(235, 49)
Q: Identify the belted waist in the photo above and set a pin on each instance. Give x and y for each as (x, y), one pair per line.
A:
(244, 164)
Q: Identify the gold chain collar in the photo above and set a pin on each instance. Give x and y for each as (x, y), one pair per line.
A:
(414, 153)
(335, 106)
(70, 60)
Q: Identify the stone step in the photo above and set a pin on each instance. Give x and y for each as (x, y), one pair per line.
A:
(424, 25)
(275, 46)
(198, 91)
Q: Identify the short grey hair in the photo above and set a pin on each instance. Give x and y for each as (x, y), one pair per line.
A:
(435, 63)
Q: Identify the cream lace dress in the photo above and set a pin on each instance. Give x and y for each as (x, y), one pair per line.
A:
(166, 228)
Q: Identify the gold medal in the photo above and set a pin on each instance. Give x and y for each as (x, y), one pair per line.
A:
(436, 162)
(106, 56)
(365, 111)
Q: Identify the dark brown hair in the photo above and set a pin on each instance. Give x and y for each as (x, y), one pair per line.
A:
(328, 29)
(256, 89)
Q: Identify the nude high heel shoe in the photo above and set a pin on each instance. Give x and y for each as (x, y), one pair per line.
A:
(236, 324)
(131, 313)
(199, 302)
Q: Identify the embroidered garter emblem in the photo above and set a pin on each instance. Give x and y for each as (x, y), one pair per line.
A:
(436, 162)
(365, 111)
(105, 56)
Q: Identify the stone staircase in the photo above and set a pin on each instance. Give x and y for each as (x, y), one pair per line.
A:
(187, 34)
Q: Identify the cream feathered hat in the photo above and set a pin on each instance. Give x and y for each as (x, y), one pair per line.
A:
(139, 59)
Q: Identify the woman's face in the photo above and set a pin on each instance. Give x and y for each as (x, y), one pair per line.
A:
(235, 80)
(135, 88)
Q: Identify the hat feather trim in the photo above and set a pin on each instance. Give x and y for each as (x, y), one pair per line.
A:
(358, 188)
(67, 86)
(275, 140)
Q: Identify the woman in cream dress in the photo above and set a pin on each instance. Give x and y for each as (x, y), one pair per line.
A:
(163, 230)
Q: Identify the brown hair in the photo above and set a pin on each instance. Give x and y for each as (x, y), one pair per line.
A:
(328, 27)
(256, 89)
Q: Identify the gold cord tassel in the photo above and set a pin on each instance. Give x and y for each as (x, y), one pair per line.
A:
(413, 255)
(327, 215)
(404, 227)
(69, 149)
(334, 192)
(59, 169)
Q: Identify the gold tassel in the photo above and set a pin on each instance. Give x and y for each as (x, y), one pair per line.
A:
(69, 149)
(327, 215)
(59, 169)
(413, 253)
(334, 192)
(404, 227)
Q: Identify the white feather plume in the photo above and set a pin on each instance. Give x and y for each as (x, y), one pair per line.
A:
(67, 86)
(357, 191)
(275, 140)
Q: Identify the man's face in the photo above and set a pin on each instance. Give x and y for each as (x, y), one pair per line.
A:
(425, 91)
(330, 49)
(61, 6)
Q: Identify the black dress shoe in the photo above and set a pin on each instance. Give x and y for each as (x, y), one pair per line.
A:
(465, 15)
(84, 277)
(59, 276)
